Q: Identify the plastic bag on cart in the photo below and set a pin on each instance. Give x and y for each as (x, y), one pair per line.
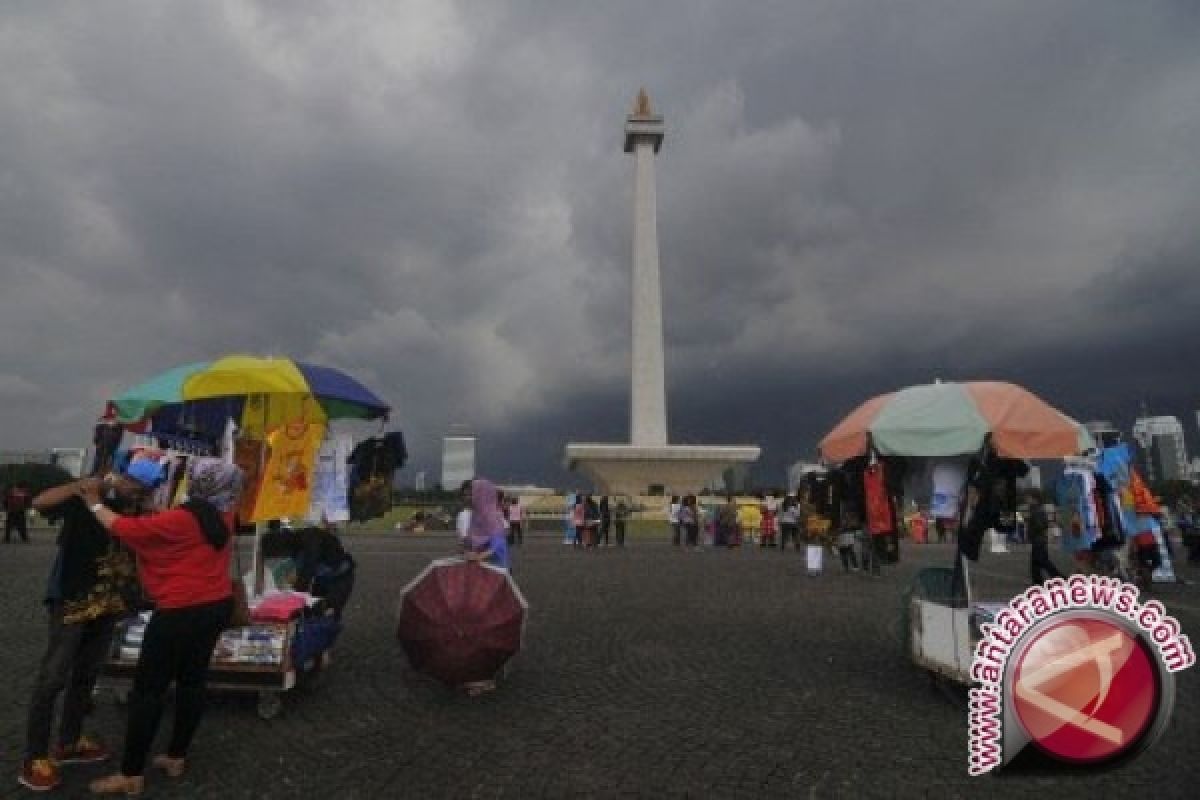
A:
(313, 637)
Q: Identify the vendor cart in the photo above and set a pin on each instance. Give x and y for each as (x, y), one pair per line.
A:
(941, 631)
(263, 658)
(941, 626)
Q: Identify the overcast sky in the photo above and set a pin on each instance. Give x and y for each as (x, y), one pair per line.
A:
(853, 196)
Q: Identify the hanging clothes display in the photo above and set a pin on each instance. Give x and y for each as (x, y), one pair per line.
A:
(331, 481)
(881, 516)
(374, 463)
(1077, 509)
(106, 438)
(948, 477)
(285, 489)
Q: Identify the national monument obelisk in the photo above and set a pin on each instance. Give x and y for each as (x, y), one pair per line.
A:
(648, 460)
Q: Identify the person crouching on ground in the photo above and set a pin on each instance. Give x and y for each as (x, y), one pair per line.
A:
(87, 592)
(183, 559)
(323, 567)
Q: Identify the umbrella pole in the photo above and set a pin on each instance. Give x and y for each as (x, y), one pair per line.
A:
(258, 526)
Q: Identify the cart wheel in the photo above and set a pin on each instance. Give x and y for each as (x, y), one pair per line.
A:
(269, 705)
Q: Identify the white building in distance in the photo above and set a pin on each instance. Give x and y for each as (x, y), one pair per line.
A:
(1164, 451)
(458, 461)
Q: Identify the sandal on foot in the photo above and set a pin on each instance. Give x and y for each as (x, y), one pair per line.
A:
(173, 767)
(128, 785)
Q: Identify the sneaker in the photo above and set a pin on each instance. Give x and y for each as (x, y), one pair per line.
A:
(86, 751)
(40, 775)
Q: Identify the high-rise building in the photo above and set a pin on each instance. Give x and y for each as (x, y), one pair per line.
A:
(1103, 432)
(1163, 449)
(458, 461)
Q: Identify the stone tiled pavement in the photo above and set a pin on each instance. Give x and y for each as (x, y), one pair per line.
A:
(649, 672)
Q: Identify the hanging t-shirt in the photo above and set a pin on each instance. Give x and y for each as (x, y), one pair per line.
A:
(948, 479)
(880, 518)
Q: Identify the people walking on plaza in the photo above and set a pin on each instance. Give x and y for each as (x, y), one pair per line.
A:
(578, 524)
(769, 508)
(789, 523)
(91, 584)
(725, 523)
(621, 515)
(847, 537)
(516, 521)
(591, 521)
(183, 559)
(605, 522)
(749, 523)
(1038, 529)
(673, 519)
(462, 523)
(16, 512)
(689, 521)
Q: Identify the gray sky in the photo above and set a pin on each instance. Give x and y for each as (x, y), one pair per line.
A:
(853, 196)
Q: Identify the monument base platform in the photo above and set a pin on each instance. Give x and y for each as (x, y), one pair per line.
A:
(633, 469)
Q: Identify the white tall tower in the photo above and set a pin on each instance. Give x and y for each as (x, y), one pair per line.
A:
(648, 462)
(644, 132)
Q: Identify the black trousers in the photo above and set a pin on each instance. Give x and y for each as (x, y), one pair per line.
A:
(675, 531)
(516, 533)
(787, 531)
(74, 653)
(693, 534)
(177, 646)
(849, 560)
(620, 534)
(605, 527)
(1041, 564)
(16, 521)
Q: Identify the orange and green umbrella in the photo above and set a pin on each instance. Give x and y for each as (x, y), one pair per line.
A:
(948, 419)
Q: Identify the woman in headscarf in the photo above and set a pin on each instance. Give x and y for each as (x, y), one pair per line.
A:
(487, 536)
(183, 560)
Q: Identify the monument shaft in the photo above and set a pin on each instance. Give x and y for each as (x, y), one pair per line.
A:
(648, 413)
(648, 462)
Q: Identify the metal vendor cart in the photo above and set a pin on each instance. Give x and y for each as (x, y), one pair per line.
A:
(264, 658)
(941, 631)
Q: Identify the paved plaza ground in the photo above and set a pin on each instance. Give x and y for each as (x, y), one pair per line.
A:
(649, 672)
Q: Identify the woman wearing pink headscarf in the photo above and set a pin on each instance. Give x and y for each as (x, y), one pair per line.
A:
(487, 536)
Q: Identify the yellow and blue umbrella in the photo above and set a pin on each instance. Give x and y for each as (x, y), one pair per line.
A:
(229, 386)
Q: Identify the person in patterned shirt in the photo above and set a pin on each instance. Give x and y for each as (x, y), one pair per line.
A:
(90, 586)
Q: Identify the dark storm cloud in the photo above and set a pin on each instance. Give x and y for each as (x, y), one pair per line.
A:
(852, 196)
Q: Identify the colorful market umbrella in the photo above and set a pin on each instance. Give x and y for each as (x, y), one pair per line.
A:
(239, 376)
(459, 622)
(947, 419)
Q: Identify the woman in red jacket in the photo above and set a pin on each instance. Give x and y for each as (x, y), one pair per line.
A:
(183, 562)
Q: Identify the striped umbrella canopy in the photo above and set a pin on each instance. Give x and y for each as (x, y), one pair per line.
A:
(240, 376)
(948, 419)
